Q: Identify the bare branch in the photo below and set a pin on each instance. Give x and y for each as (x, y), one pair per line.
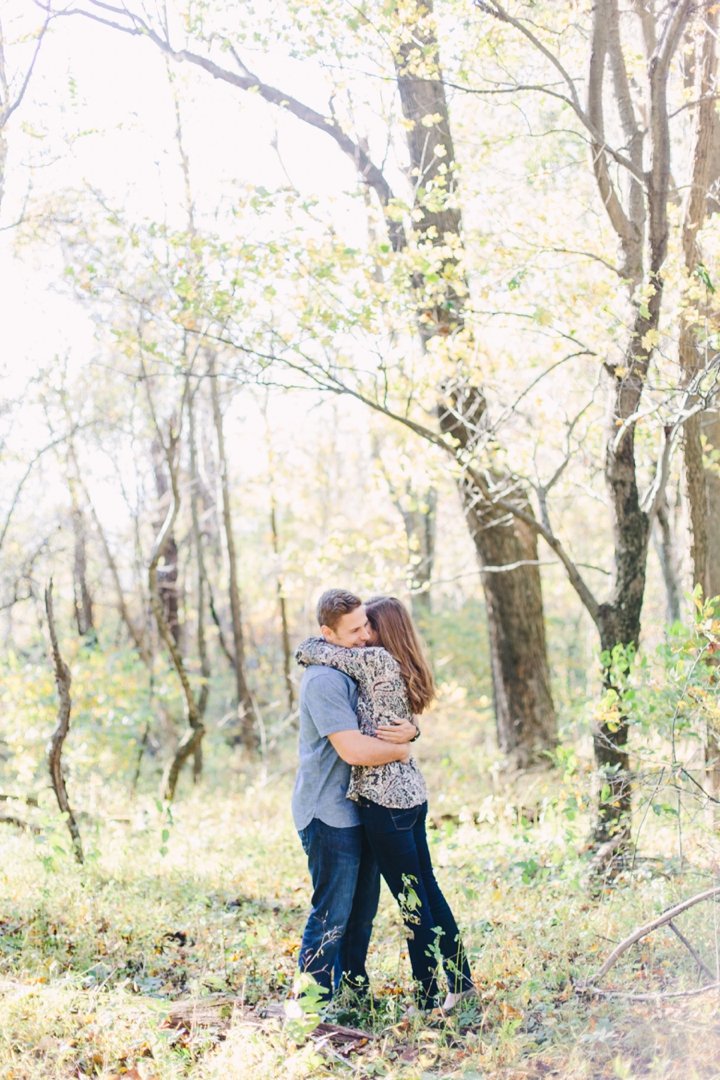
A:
(9, 108)
(495, 9)
(654, 924)
(330, 382)
(657, 997)
(368, 171)
(33, 461)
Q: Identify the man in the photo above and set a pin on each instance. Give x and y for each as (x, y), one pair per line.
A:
(345, 877)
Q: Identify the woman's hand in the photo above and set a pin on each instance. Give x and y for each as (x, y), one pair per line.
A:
(401, 731)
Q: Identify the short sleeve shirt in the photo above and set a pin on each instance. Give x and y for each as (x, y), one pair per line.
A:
(328, 703)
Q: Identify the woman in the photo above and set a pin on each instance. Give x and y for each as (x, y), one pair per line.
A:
(394, 680)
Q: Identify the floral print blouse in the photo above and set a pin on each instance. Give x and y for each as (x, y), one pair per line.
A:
(382, 696)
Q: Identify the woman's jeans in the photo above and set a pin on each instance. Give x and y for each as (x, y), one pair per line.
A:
(399, 842)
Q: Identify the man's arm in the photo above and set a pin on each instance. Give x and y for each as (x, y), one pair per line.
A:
(357, 749)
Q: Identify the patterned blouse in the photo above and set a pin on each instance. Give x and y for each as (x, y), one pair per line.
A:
(382, 695)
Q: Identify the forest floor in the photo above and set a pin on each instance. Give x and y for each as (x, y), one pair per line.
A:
(208, 903)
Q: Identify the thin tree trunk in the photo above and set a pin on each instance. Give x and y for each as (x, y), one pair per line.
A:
(201, 578)
(135, 632)
(167, 574)
(193, 736)
(287, 653)
(418, 511)
(419, 522)
(665, 547)
(710, 430)
(245, 704)
(83, 600)
(63, 680)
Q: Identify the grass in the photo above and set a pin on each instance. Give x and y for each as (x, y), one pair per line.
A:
(91, 958)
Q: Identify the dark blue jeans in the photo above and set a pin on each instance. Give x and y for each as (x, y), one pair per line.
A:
(399, 842)
(346, 890)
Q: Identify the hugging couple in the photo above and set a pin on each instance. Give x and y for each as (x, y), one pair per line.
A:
(360, 801)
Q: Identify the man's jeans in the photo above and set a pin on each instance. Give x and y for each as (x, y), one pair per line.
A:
(400, 844)
(346, 890)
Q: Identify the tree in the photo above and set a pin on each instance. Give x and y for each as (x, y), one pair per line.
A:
(638, 214)
(523, 700)
(702, 489)
(702, 428)
(190, 743)
(244, 697)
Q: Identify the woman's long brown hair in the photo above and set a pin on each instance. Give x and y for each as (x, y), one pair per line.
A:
(397, 634)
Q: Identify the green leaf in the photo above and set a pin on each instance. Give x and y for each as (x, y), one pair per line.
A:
(702, 273)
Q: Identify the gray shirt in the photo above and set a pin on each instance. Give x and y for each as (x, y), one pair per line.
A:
(328, 703)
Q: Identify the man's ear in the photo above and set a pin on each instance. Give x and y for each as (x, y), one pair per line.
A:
(327, 633)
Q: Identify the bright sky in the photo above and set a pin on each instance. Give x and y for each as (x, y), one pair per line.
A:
(99, 112)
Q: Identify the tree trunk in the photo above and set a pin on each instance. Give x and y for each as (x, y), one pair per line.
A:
(83, 600)
(135, 631)
(201, 578)
(706, 132)
(419, 518)
(702, 489)
(167, 573)
(710, 429)
(285, 632)
(63, 680)
(665, 547)
(193, 736)
(245, 704)
(525, 714)
(524, 710)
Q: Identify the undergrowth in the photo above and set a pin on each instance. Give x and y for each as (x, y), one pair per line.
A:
(210, 897)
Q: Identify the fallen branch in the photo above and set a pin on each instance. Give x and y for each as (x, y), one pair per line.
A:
(29, 800)
(654, 997)
(643, 931)
(26, 826)
(703, 967)
(63, 680)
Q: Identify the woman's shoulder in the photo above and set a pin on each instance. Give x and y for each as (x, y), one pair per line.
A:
(380, 658)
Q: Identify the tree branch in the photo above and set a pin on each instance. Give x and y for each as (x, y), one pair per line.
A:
(368, 171)
(330, 382)
(8, 109)
(497, 11)
(648, 928)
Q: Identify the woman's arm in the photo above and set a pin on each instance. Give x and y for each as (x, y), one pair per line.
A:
(357, 663)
